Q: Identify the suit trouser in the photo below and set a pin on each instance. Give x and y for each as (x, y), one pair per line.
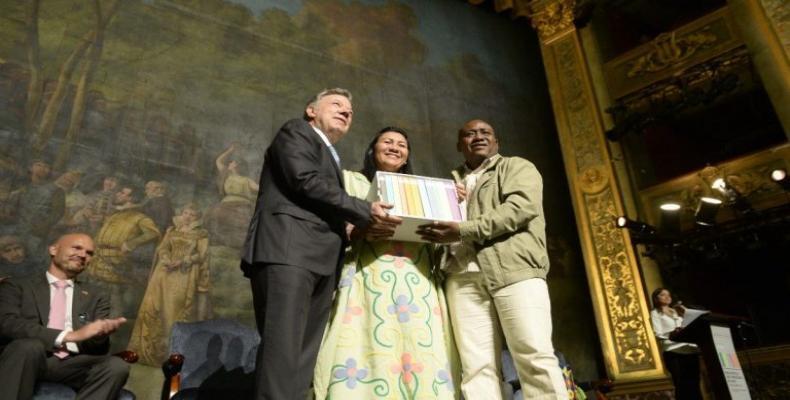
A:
(24, 362)
(521, 313)
(291, 310)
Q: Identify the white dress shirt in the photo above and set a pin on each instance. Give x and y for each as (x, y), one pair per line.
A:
(663, 325)
(70, 346)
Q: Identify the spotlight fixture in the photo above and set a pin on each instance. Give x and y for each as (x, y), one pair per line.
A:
(707, 210)
(779, 176)
(636, 227)
(670, 218)
(719, 184)
(732, 197)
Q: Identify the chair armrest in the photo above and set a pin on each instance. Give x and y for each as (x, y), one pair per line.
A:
(172, 371)
(128, 356)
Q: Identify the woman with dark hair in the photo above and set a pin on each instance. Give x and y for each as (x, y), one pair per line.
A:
(681, 359)
(389, 335)
(369, 167)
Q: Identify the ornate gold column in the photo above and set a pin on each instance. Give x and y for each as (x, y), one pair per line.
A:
(764, 27)
(621, 310)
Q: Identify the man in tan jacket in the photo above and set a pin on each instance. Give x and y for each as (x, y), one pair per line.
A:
(497, 265)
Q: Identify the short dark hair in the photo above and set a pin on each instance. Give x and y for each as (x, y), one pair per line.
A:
(369, 164)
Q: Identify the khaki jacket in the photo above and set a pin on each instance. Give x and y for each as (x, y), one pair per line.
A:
(505, 222)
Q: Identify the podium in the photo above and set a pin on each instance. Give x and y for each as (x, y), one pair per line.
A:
(712, 334)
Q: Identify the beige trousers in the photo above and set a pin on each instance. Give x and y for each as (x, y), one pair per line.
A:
(521, 314)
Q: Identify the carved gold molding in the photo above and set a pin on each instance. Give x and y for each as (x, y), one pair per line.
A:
(778, 15)
(551, 17)
(629, 347)
(672, 52)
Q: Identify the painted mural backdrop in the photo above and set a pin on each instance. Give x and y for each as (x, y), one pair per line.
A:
(144, 123)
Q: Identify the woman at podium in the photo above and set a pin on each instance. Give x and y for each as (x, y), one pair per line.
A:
(681, 359)
(389, 334)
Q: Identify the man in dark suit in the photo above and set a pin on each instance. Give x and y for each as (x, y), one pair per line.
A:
(53, 327)
(295, 242)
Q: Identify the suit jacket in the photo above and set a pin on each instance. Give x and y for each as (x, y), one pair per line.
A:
(24, 312)
(302, 207)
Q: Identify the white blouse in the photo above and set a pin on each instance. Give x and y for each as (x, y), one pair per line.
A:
(663, 325)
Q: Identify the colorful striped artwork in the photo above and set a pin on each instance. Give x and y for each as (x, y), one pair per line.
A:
(417, 196)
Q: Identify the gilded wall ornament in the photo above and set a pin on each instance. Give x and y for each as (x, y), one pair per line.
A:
(623, 305)
(550, 18)
(670, 50)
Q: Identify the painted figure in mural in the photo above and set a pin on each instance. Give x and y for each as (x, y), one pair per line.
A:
(390, 332)
(99, 205)
(497, 266)
(294, 248)
(75, 201)
(73, 351)
(10, 171)
(226, 221)
(157, 204)
(178, 288)
(38, 206)
(15, 261)
(680, 358)
(122, 232)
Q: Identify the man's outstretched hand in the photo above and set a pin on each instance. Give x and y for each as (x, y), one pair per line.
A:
(100, 327)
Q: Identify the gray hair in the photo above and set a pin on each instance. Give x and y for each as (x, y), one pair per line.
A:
(326, 92)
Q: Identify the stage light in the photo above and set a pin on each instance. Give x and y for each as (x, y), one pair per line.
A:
(707, 210)
(719, 184)
(779, 176)
(636, 227)
(670, 217)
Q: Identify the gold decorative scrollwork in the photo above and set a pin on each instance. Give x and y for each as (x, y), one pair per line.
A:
(579, 112)
(629, 330)
(669, 50)
(550, 18)
(593, 179)
(621, 299)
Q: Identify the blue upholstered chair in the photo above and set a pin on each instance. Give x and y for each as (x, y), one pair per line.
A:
(212, 359)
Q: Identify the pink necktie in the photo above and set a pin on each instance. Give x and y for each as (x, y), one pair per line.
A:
(57, 312)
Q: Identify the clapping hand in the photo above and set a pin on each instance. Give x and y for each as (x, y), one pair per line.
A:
(100, 327)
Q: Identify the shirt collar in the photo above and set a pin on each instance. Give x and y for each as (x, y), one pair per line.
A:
(322, 135)
(483, 165)
(52, 279)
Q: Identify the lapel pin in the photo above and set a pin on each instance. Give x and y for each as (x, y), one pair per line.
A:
(84, 292)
